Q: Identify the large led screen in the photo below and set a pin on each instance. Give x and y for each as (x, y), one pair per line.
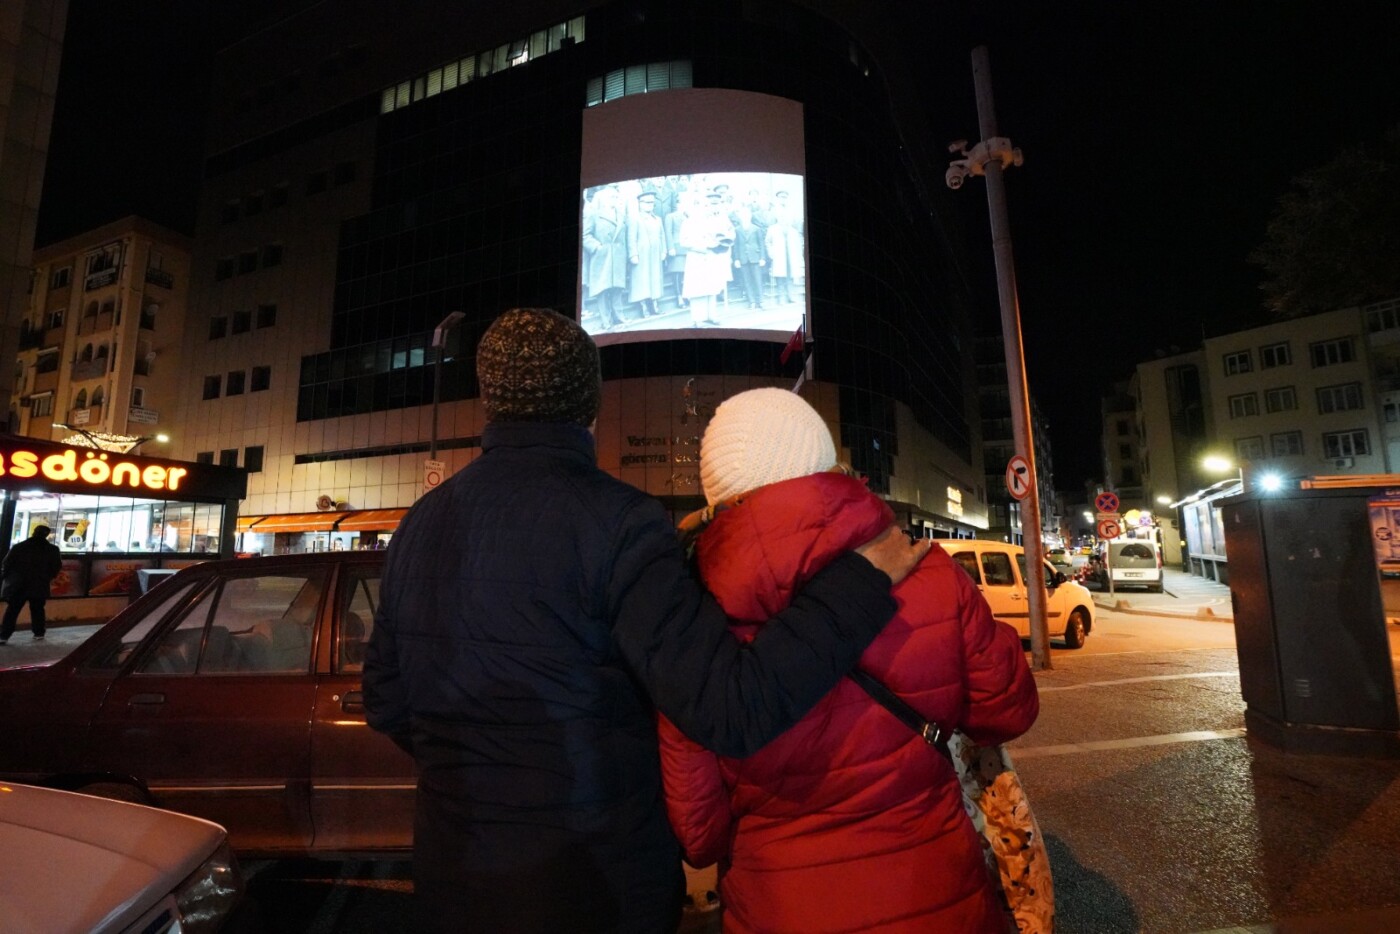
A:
(702, 234)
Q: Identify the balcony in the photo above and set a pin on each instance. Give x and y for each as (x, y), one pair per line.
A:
(99, 279)
(90, 369)
(92, 415)
(95, 324)
(161, 278)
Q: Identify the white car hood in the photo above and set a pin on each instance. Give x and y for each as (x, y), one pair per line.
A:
(83, 864)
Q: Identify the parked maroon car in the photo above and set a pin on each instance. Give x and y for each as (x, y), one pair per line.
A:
(231, 692)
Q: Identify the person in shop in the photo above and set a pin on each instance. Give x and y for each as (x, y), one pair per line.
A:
(26, 574)
(897, 853)
(535, 612)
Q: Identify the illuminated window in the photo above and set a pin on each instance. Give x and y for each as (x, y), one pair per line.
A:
(638, 79)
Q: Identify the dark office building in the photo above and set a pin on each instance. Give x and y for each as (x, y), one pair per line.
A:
(694, 181)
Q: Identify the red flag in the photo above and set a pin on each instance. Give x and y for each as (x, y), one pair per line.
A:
(794, 344)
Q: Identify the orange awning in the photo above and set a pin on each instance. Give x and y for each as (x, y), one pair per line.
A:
(300, 522)
(247, 522)
(371, 520)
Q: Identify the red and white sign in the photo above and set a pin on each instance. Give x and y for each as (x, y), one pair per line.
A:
(1106, 502)
(433, 474)
(1109, 528)
(1018, 477)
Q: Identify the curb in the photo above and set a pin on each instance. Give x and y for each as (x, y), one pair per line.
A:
(1200, 612)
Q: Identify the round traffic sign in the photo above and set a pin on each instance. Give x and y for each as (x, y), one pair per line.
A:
(1109, 528)
(1106, 501)
(1018, 477)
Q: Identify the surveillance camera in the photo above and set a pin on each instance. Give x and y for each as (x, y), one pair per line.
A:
(954, 177)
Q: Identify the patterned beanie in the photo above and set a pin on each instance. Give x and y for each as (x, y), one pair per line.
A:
(760, 437)
(535, 365)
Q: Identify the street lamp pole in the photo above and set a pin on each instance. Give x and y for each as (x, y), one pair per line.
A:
(988, 158)
(439, 342)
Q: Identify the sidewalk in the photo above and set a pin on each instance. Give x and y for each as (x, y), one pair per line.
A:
(1184, 596)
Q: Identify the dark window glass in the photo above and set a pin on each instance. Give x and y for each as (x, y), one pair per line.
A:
(218, 327)
(233, 386)
(272, 255)
(228, 458)
(253, 204)
(267, 316)
(242, 322)
(224, 268)
(316, 183)
(253, 459)
(262, 378)
(344, 173)
(230, 212)
(247, 262)
(204, 457)
(277, 196)
(211, 387)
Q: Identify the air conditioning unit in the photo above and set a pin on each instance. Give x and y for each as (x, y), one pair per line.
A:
(1343, 463)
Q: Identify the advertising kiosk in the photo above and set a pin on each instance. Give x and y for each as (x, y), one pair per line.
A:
(113, 516)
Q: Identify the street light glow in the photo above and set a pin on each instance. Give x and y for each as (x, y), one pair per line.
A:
(1164, 500)
(1270, 482)
(1217, 464)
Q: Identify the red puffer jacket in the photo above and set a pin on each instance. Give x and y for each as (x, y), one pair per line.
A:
(848, 821)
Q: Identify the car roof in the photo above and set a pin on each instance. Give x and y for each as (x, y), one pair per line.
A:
(976, 544)
(115, 859)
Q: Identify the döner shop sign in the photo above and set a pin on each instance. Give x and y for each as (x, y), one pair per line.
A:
(28, 463)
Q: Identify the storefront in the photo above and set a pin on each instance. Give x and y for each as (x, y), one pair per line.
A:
(115, 514)
(330, 530)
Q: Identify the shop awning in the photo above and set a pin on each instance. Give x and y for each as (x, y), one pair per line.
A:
(247, 522)
(371, 520)
(300, 522)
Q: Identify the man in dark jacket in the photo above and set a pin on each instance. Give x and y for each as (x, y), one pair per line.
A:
(534, 614)
(25, 575)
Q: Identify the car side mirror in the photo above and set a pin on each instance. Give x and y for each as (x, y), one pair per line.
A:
(1058, 579)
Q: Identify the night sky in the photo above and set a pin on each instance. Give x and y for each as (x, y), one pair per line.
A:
(1157, 137)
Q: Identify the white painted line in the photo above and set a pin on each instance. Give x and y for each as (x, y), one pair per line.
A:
(1103, 684)
(1135, 742)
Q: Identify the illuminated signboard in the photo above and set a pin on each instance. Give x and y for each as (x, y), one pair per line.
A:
(28, 463)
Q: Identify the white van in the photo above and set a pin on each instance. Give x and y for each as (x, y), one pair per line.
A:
(1134, 563)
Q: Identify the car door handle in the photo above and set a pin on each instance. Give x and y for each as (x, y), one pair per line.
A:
(145, 699)
(353, 702)
(1017, 596)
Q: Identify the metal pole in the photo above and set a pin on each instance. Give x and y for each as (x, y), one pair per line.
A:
(1015, 363)
(437, 392)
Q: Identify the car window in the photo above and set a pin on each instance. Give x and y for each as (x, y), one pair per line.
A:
(117, 655)
(258, 624)
(996, 569)
(360, 598)
(1136, 551)
(968, 562)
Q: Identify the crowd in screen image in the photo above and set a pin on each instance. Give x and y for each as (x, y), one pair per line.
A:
(701, 251)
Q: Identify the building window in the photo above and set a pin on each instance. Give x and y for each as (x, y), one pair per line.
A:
(344, 173)
(1346, 443)
(218, 327)
(272, 255)
(1244, 405)
(1249, 449)
(47, 362)
(211, 387)
(1286, 443)
(253, 459)
(148, 316)
(1237, 363)
(138, 398)
(1272, 355)
(277, 197)
(1383, 316)
(40, 406)
(262, 378)
(228, 457)
(1392, 412)
(267, 316)
(637, 79)
(223, 269)
(59, 278)
(1330, 353)
(1343, 398)
(316, 182)
(233, 385)
(247, 262)
(1282, 399)
(97, 397)
(204, 457)
(54, 319)
(242, 322)
(1125, 450)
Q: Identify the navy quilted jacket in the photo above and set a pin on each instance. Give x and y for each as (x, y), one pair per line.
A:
(535, 612)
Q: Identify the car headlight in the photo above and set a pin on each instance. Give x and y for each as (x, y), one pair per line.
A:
(209, 894)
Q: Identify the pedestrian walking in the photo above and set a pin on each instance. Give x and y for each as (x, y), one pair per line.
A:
(25, 576)
(849, 821)
(534, 614)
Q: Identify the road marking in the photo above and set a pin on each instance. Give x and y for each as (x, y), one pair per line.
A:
(1135, 742)
(1103, 684)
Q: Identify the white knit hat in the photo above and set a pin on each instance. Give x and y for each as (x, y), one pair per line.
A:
(760, 437)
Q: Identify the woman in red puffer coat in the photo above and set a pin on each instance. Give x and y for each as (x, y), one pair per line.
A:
(848, 821)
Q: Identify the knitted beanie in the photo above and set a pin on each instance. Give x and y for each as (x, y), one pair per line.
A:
(535, 365)
(760, 437)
